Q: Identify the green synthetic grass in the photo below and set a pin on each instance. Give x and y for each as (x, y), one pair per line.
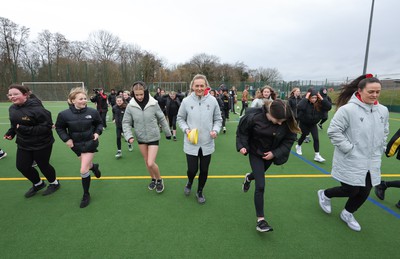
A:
(125, 220)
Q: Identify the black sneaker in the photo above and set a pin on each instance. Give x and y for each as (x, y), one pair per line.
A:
(160, 186)
(246, 183)
(398, 205)
(188, 189)
(262, 226)
(34, 189)
(174, 138)
(152, 184)
(320, 126)
(51, 189)
(200, 198)
(85, 200)
(380, 190)
(96, 171)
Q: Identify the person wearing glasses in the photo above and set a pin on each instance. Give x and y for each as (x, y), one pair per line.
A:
(33, 126)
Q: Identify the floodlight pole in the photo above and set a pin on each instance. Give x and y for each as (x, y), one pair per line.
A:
(369, 36)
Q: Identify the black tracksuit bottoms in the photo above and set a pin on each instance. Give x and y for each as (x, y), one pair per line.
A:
(259, 166)
(25, 159)
(357, 194)
(193, 167)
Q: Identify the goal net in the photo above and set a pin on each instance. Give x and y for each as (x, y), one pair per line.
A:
(52, 91)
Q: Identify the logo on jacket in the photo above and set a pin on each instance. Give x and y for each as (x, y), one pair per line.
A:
(191, 107)
(25, 118)
(208, 107)
(361, 119)
(381, 119)
(88, 116)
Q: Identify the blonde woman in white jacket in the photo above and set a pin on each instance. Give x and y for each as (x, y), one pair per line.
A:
(358, 131)
(200, 111)
(145, 114)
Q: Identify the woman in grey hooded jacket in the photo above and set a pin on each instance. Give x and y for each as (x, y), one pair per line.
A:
(358, 131)
(144, 112)
(199, 111)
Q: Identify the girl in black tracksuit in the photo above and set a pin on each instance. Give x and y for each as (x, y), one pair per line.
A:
(118, 111)
(32, 124)
(267, 135)
(79, 127)
(172, 106)
(310, 111)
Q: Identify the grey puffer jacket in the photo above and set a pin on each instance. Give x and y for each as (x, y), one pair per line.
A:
(204, 114)
(146, 121)
(359, 132)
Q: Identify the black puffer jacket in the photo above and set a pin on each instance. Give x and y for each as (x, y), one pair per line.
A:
(35, 125)
(79, 125)
(259, 135)
(118, 113)
(308, 115)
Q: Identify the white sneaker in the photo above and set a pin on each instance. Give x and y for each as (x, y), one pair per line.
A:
(350, 220)
(324, 202)
(130, 148)
(119, 154)
(319, 158)
(298, 150)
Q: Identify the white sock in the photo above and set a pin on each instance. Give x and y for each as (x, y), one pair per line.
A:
(55, 182)
(39, 183)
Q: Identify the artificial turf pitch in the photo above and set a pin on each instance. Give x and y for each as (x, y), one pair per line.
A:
(126, 220)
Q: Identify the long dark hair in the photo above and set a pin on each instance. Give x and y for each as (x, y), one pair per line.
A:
(280, 109)
(348, 90)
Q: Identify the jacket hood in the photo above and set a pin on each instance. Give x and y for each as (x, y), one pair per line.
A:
(363, 105)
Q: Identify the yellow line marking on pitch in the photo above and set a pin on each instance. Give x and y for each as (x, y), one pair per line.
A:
(184, 177)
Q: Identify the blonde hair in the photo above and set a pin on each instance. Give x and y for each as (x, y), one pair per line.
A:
(74, 92)
(294, 90)
(199, 76)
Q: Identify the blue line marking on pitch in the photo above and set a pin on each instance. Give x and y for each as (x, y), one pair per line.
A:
(397, 215)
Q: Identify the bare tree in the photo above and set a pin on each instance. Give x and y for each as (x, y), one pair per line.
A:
(205, 64)
(45, 44)
(12, 39)
(103, 46)
(30, 60)
(77, 51)
(268, 75)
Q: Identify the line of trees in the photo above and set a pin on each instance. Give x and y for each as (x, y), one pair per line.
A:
(104, 61)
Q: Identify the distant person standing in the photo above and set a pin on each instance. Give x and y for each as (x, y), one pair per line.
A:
(245, 99)
(143, 111)
(202, 113)
(324, 93)
(111, 98)
(358, 131)
(33, 126)
(100, 98)
(392, 148)
(172, 107)
(294, 99)
(233, 99)
(80, 127)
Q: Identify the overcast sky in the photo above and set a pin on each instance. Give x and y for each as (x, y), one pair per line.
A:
(303, 39)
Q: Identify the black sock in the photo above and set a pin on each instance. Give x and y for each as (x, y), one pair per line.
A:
(86, 184)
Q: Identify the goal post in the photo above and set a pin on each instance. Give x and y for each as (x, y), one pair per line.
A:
(52, 91)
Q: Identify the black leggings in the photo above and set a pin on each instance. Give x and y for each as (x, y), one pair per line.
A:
(103, 115)
(119, 132)
(307, 129)
(25, 159)
(357, 194)
(392, 184)
(193, 166)
(172, 121)
(244, 106)
(259, 166)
